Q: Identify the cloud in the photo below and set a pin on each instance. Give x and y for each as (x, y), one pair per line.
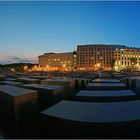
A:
(16, 59)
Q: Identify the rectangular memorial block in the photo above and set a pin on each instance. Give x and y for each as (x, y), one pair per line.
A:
(105, 86)
(78, 84)
(88, 120)
(2, 77)
(137, 86)
(38, 77)
(12, 83)
(105, 96)
(68, 85)
(27, 80)
(131, 81)
(47, 95)
(18, 110)
(105, 81)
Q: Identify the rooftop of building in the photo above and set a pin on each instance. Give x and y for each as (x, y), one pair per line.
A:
(61, 53)
(113, 45)
(52, 53)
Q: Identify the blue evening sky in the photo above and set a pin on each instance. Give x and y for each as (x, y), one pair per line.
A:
(29, 29)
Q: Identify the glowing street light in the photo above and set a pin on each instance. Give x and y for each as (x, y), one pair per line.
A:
(25, 68)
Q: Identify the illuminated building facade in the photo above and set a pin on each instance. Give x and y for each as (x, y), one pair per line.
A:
(97, 56)
(56, 61)
(126, 57)
(91, 57)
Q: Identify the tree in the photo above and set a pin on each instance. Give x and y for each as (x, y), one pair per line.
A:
(112, 63)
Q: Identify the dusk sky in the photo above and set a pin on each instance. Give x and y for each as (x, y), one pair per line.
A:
(29, 29)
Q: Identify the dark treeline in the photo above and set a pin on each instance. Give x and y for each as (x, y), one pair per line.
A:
(17, 66)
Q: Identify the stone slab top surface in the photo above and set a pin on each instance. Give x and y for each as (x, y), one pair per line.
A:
(77, 78)
(106, 84)
(85, 79)
(49, 87)
(120, 75)
(12, 82)
(57, 80)
(38, 77)
(95, 112)
(10, 79)
(135, 77)
(15, 91)
(28, 79)
(109, 93)
(2, 75)
(106, 81)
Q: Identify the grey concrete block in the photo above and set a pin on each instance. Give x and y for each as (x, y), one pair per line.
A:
(99, 80)
(120, 76)
(85, 82)
(47, 95)
(28, 80)
(2, 77)
(10, 79)
(78, 84)
(12, 76)
(12, 83)
(39, 77)
(68, 85)
(105, 86)
(105, 96)
(125, 81)
(131, 83)
(104, 75)
(18, 110)
(69, 119)
(137, 86)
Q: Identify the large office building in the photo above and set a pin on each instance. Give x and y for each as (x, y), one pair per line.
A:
(126, 58)
(91, 57)
(56, 61)
(97, 56)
